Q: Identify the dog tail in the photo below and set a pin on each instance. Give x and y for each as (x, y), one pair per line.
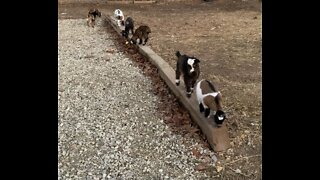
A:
(178, 54)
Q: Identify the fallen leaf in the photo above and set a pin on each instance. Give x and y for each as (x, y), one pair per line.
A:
(206, 144)
(202, 166)
(196, 153)
(194, 130)
(110, 50)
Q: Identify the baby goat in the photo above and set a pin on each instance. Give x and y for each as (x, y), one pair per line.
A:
(95, 12)
(210, 99)
(91, 18)
(128, 27)
(141, 33)
(118, 14)
(189, 67)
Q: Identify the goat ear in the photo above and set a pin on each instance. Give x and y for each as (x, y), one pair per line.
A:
(197, 61)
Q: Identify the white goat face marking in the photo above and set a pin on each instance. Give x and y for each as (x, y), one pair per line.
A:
(214, 94)
(177, 81)
(118, 14)
(191, 62)
(220, 118)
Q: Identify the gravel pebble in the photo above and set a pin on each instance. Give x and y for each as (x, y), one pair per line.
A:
(108, 124)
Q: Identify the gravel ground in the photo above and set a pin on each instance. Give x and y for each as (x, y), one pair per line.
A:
(108, 124)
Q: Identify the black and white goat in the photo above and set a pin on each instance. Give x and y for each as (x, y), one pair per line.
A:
(128, 27)
(210, 99)
(189, 67)
(118, 15)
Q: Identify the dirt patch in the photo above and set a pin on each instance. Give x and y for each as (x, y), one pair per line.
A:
(226, 36)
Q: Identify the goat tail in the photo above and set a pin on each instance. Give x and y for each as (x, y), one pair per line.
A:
(178, 54)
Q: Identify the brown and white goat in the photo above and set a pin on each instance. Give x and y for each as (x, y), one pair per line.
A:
(91, 17)
(210, 99)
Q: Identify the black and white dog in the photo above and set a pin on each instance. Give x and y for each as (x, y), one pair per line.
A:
(189, 67)
(210, 99)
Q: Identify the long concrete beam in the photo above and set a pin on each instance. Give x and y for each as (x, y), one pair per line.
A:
(218, 137)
